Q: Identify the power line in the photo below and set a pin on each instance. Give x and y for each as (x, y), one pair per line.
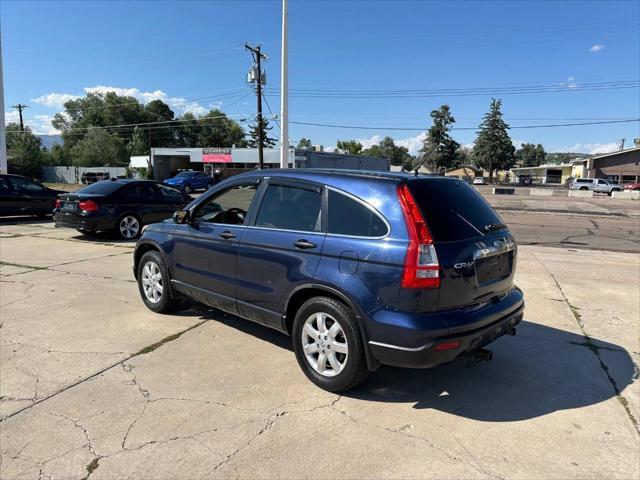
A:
(422, 129)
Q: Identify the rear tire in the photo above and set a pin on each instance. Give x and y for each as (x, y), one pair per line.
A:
(154, 283)
(129, 227)
(328, 345)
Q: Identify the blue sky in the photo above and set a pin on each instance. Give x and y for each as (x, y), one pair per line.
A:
(191, 55)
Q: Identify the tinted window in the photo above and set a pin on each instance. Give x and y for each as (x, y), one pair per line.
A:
(350, 217)
(104, 187)
(139, 191)
(4, 185)
(229, 206)
(583, 180)
(170, 194)
(290, 208)
(452, 209)
(185, 175)
(26, 185)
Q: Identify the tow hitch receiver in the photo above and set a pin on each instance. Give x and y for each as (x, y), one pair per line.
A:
(480, 355)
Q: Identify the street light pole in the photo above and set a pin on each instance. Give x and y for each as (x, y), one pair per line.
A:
(284, 91)
(3, 134)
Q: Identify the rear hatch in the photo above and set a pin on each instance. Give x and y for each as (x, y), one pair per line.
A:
(476, 252)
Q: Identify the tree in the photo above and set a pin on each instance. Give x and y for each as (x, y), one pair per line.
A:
(99, 148)
(493, 149)
(530, 155)
(350, 147)
(56, 155)
(218, 130)
(262, 124)
(163, 134)
(438, 147)
(24, 151)
(388, 149)
(304, 144)
(137, 145)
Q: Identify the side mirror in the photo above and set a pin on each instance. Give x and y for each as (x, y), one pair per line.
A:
(182, 216)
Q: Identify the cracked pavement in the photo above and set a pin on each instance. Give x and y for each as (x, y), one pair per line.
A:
(218, 397)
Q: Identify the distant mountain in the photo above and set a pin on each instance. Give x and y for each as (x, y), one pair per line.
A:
(50, 140)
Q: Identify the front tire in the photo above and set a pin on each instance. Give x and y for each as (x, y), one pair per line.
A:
(154, 283)
(328, 344)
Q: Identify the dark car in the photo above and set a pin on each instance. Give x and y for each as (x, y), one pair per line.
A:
(22, 196)
(191, 180)
(120, 205)
(360, 268)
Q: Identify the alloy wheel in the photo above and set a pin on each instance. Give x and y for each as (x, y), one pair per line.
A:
(152, 282)
(129, 227)
(324, 344)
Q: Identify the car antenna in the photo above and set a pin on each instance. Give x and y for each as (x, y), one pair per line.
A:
(415, 170)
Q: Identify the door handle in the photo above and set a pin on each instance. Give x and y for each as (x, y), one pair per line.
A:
(227, 234)
(304, 244)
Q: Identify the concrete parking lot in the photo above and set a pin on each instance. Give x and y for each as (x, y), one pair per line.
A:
(93, 383)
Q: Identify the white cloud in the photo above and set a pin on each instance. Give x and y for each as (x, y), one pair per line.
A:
(413, 144)
(41, 125)
(179, 105)
(596, 48)
(570, 83)
(592, 148)
(54, 99)
(11, 117)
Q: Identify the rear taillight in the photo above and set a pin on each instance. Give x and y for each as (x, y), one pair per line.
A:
(88, 205)
(421, 268)
(58, 203)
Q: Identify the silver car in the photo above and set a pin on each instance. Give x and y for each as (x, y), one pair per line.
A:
(596, 185)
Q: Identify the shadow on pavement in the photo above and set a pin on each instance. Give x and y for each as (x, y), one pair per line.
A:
(25, 220)
(539, 371)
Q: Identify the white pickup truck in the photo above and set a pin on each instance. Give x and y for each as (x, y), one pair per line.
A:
(595, 184)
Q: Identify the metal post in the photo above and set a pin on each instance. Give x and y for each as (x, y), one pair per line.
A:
(3, 133)
(284, 91)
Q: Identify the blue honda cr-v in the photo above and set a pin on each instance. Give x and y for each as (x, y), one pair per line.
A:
(359, 268)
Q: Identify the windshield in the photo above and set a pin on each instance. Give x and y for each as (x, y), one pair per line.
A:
(453, 210)
(184, 175)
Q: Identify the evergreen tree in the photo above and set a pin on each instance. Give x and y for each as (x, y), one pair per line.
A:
(304, 144)
(493, 149)
(438, 146)
(137, 145)
(24, 150)
(263, 124)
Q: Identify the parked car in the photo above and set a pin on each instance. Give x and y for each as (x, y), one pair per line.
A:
(595, 184)
(23, 196)
(190, 181)
(87, 178)
(479, 181)
(124, 206)
(359, 268)
(632, 186)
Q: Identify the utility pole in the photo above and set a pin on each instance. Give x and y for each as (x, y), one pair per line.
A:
(284, 91)
(257, 78)
(3, 133)
(20, 107)
(622, 143)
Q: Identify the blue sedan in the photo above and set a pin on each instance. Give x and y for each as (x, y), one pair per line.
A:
(190, 181)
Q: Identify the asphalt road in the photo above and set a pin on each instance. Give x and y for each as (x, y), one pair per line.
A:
(591, 232)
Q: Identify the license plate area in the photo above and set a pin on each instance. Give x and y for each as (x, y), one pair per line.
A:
(493, 268)
(69, 206)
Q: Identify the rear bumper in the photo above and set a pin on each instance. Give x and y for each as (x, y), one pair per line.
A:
(428, 355)
(411, 339)
(89, 222)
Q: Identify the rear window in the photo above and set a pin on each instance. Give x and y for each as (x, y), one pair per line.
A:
(452, 209)
(105, 187)
(350, 217)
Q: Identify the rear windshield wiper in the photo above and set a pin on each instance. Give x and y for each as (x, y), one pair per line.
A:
(467, 222)
(494, 226)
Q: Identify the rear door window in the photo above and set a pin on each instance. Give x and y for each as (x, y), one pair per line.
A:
(4, 185)
(347, 216)
(288, 207)
(141, 192)
(170, 194)
(26, 185)
(452, 209)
